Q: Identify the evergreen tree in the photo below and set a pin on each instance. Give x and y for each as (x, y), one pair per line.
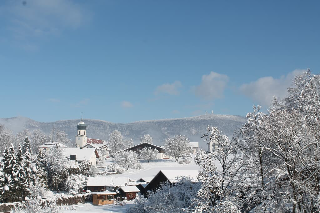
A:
(6, 138)
(26, 145)
(19, 172)
(56, 168)
(29, 179)
(7, 185)
(41, 171)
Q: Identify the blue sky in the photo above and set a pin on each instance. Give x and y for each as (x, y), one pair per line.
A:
(125, 61)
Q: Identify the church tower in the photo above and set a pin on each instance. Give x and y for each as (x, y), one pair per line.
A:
(81, 138)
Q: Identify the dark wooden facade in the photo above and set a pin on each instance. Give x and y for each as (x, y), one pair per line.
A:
(128, 192)
(156, 182)
(128, 195)
(140, 146)
(96, 188)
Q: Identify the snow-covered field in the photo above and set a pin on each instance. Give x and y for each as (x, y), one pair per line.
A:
(148, 170)
(152, 168)
(88, 207)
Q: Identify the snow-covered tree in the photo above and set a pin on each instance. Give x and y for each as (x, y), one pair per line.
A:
(8, 173)
(277, 158)
(37, 205)
(19, 176)
(61, 137)
(76, 183)
(219, 170)
(146, 139)
(21, 136)
(117, 143)
(124, 160)
(177, 198)
(37, 138)
(148, 154)
(178, 146)
(56, 168)
(6, 138)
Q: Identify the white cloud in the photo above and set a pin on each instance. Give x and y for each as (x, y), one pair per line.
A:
(54, 100)
(212, 86)
(171, 89)
(264, 89)
(126, 104)
(38, 18)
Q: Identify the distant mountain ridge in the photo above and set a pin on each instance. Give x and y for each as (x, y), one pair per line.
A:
(192, 127)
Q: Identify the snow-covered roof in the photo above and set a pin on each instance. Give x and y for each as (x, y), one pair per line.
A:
(175, 175)
(95, 141)
(52, 144)
(130, 189)
(81, 154)
(95, 146)
(147, 179)
(107, 181)
(194, 144)
(104, 193)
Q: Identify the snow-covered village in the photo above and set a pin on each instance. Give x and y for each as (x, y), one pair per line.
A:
(164, 106)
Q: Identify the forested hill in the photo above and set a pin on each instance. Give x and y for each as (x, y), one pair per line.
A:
(192, 127)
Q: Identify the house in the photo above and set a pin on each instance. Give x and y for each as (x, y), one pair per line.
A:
(100, 146)
(194, 146)
(106, 183)
(80, 155)
(128, 192)
(139, 147)
(103, 198)
(50, 145)
(171, 177)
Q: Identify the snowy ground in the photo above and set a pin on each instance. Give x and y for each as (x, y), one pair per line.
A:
(148, 170)
(88, 207)
(152, 168)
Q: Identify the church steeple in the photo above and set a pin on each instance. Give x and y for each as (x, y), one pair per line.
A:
(81, 138)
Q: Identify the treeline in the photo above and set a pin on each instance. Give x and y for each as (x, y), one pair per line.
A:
(30, 176)
(271, 164)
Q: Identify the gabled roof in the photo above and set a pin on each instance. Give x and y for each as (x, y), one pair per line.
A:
(171, 176)
(95, 141)
(175, 175)
(104, 193)
(145, 179)
(143, 145)
(107, 181)
(129, 189)
(52, 144)
(81, 154)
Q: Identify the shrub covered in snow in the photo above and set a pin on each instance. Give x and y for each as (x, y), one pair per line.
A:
(76, 183)
(177, 198)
